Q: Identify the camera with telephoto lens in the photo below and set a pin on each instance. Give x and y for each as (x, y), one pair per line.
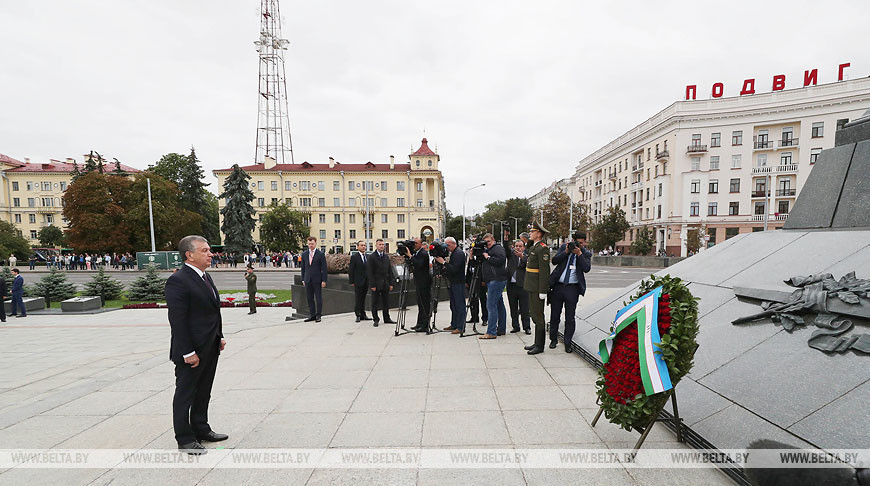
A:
(478, 246)
(438, 249)
(570, 246)
(404, 247)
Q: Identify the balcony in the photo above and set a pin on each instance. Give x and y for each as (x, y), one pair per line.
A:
(762, 193)
(612, 176)
(636, 186)
(598, 183)
(662, 155)
(764, 169)
(781, 216)
(786, 169)
(757, 217)
(785, 192)
(788, 143)
(770, 217)
(763, 144)
(638, 167)
(696, 148)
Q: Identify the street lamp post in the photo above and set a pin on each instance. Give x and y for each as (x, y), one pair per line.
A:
(463, 211)
(516, 220)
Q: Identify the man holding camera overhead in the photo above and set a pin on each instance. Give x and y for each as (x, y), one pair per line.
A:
(568, 283)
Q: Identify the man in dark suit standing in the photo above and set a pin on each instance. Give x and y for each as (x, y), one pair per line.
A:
(380, 275)
(3, 291)
(455, 272)
(422, 284)
(518, 298)
(567, 284)
(358, 277)
(314, 274)
(17, 294)
(197, 340)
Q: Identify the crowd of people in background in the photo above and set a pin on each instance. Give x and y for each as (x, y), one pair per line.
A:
(80, 261)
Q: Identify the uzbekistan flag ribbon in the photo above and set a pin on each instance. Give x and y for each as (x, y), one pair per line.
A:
(644, 311)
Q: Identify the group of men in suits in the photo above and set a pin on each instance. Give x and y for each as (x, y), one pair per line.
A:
(372, 272)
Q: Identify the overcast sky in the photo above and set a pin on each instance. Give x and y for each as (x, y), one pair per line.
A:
(512, 93)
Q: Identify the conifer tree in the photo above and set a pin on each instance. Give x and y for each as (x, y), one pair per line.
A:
(105, 286)
(148, 288)
(238, 224)
(54, 287)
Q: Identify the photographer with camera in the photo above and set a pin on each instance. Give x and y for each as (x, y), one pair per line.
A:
(568, 283)
(455, 271)
(422, 283)
(495, 276)
(518, 298)
(477, 296)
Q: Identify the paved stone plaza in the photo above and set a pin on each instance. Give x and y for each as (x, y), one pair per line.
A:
(105, 381)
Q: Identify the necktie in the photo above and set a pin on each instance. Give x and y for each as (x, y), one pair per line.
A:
(310, 257)
(207, 281)
(363, 258)
(568, 274)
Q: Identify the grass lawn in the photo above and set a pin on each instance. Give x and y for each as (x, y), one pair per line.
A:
(280, 296)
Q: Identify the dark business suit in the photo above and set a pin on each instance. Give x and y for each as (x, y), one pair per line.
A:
(567, 294)
(380, 276)
(195, 321)
(518, 298)
(357, 275)
(314, 274)
(423, 287)
(18, 297)
(455, 272)
(2, 300)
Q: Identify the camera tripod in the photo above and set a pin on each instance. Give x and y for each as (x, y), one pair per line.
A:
(437, 285)
(403, 297)
(473, 293)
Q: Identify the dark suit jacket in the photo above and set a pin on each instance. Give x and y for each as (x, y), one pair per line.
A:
(18, 286)
(316, 272)
(3, 288)
(194, 313)
(455, 267)
(357, 273)
(379, 271)
(516, 264)
(583, 262)
(420, 266)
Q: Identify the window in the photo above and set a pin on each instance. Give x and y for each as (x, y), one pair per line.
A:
(261, 202)
(715, 139)
(63, 186)
(783, 207)
(695, 187)
(400, 218)
(419, 203)
(431, 203)
(400, 202)
(696, 139)
(418, 163)
(260, 185)
(648, 151)
(759, 209)
(16, 202)
(336, 201)
(660, 189)
(712, 234)
(384, 185)
(321, 201)
(385, 234)
(647, 193)
(274, 200)
(713, 186)
(304, 186)
(288, 201)
(49, 218)
(737, 137)
(15, 186)
(419, 186)
(383, 202)
(371, 202)
(731, 232)
(29, 186)
(337, 234)
(712, 209)
(385, 218)
(788, 137)
(735, 161)
(351, 201)
(818, 129)
(659, 211)
(17, 218)
(336, 218)
(33, 234)
(336, 186)
(733, 208)
(351, 218)
(693, 209)
(321, 186)
(352, 233)
(305, 202)
(274, 185)
(400, 234)
(288, 185)
(714, 162)
(814, 155)
(323, 234)
(400, 185)
(785, 158)
(761, 160)
(350, 185)
(31, 218)
(735, 185)
(696, 163)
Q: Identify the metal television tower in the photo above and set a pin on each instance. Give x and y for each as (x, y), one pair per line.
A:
(273, 120)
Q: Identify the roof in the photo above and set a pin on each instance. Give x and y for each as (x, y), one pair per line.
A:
(424, 149)
(338, 167)
(5, 159)
(57, 166)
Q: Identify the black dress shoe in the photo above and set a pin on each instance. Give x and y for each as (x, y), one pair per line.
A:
(472, 321)
(421, 329)
(535, 351)
(500, 333)
(515, 330)
(375, 324)
(567, 347)
(357, 319)
(317, 319)
(366, 318)
(310, 319)
(193, 448)
(553, 344)
(530, 346)
(252, 312)
(528, 332)
(212, 437)
(389, 321)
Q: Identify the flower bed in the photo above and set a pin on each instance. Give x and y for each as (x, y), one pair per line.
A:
(619, 387)
(260, 303)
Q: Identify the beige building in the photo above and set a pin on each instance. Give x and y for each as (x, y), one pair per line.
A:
(401, 200)
(31, 194)
(720, 166)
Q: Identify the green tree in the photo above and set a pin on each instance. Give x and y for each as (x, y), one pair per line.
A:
(94, 205)
(171, 221)
(6, 279)
(610, 229)
(186, 172)
(54, 287)
(118, 170)
(694, 240)
(51, 236)
(644, 241)
(559, 218)
(105, 286)
(211, 228)
(148, 288)
(283, 228)
(519, 208)
(239, 223)
(12, 243)
(453, 227)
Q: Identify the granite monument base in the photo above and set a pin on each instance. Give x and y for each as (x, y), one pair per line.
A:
(30, 304)
(81, 304)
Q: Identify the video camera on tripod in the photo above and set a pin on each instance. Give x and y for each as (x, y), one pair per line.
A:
(478, 245)
(405, 248)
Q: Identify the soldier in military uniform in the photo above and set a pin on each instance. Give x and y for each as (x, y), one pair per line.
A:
(251, 277)
(537, 284)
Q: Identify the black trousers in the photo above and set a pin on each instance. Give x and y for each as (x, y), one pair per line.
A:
(475, 305)
(565, 295)
(3, 307)
(314, 292)
(518, 301)
(192, 394)
(359, 306)
(252, 302)
(423, 287)
(381, 300)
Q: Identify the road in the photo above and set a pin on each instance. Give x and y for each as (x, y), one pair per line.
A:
(598, 277)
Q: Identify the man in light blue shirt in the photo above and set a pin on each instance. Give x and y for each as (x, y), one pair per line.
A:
(567, 284)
